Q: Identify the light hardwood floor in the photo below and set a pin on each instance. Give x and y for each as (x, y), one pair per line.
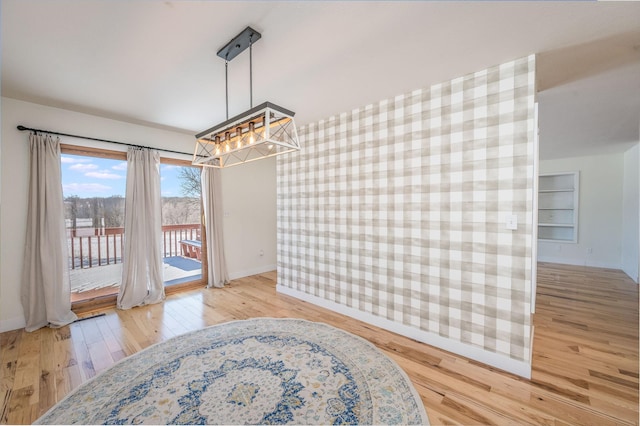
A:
(585, 362)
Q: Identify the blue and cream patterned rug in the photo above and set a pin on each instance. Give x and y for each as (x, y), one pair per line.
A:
(258, 371)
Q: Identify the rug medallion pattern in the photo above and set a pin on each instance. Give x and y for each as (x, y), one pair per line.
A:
(259, 371)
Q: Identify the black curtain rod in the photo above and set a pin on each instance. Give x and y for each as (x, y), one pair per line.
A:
(23, 128)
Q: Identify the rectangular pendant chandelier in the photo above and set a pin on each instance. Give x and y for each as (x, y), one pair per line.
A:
(261, 132)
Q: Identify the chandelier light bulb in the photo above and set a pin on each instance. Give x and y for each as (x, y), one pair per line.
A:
(252, 132)
(239, 136)
(216, 140)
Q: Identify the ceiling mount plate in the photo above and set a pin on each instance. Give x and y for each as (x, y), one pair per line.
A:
(239, 43)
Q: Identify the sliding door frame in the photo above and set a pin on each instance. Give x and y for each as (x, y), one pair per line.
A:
(109, 301)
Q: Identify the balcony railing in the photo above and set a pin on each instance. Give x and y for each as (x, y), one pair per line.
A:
(92, 247)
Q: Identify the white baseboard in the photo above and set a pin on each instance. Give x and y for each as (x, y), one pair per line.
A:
(579, 262)
(503, 362)
(633, 274)
(12, 324)
(253, 271)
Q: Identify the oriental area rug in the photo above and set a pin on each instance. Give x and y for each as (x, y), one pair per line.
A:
(258, 371)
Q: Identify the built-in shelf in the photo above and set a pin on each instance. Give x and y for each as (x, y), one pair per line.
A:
(558, 207)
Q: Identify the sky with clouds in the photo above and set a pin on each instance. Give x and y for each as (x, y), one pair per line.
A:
(102, 177)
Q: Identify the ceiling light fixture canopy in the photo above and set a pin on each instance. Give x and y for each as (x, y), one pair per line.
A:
(262, 131)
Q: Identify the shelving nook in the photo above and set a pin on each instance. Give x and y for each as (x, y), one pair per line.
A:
(558, 207)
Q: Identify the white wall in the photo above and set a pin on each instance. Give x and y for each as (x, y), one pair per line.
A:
(249, 209)
(631, 213)
(249, 202)
(599, 216)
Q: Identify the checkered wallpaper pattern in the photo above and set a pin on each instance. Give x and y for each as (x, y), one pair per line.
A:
(397, 209)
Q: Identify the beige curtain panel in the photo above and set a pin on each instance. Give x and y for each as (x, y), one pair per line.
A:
(142, 281)
(213, 212)
(46, 289)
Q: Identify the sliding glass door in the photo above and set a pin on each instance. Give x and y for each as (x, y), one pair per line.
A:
(93, 190)
(181, 224)
(94, 184)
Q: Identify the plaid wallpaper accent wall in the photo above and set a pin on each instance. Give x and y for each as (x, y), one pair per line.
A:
(397, 209)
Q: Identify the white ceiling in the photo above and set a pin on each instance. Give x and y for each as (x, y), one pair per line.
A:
(154, 62)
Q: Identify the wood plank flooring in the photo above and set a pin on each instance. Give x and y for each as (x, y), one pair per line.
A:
(585, 362)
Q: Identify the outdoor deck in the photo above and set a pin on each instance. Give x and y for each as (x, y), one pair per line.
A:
(96, 258)
(175, 270)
